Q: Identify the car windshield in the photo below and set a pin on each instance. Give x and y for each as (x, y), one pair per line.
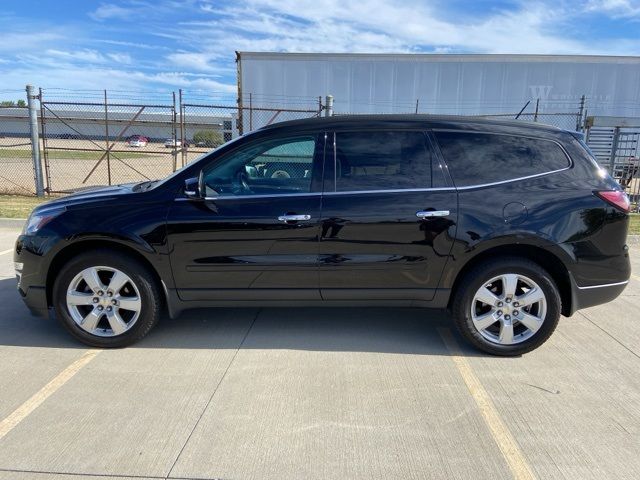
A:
(196, 160)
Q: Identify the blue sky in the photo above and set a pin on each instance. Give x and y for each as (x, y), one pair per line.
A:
(167, 44)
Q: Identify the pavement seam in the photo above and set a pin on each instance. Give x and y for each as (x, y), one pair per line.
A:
(215, 390)
(501, 434)
(75, 474)
(38, 398)
(609, 334)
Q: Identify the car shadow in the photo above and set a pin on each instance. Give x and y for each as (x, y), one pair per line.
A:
(385, 330)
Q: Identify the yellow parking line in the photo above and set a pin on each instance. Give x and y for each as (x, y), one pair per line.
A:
(45, 392)
(6, 251)
(499, 431)
(635, 276)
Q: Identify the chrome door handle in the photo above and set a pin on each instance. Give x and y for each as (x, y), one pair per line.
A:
(293, 218)
(432, 213)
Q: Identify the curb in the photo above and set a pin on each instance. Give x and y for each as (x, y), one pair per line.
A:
(12, 222)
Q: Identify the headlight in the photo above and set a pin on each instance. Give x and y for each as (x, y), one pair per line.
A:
(39, 219)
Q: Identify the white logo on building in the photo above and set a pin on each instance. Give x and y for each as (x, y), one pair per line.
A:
(540, 91)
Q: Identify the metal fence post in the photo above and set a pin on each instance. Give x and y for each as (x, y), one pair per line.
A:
(35, 142)
(174, 118)
(106, 133)
(579, 120)
(535, 115)
(183, 139)
(250, 112)
(328, 112)
(614, 150)
(43, 131)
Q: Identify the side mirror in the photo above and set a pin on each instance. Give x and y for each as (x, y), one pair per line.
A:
(194, 187)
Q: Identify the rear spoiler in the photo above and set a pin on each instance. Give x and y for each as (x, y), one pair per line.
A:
(578, 136)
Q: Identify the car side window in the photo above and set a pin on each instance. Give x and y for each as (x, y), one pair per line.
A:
(274, 166)
(481, 158)
(382, 160)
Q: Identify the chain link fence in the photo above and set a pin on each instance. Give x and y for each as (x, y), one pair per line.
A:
(16, 165)
(206, 126)
(94, 137)
(617, 149)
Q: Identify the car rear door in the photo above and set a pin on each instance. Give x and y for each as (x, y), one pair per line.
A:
(388, 216)
(255, 235)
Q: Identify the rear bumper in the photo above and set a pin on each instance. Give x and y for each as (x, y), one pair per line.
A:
(584, 297)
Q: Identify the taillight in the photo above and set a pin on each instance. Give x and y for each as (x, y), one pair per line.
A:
(616, 198)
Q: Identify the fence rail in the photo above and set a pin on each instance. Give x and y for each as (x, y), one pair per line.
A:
(89, 138)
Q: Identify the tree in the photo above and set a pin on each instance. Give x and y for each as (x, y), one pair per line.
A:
(208, 138)
(7, 103)
(21, 103)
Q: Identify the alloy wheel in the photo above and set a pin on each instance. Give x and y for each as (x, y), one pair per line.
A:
(103, 301)
(508, 309)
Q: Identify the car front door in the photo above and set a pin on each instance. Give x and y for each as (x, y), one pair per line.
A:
(255, 234)
(388, 216)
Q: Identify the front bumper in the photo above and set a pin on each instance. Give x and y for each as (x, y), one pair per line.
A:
(584, 297)
(31, 278)
(35, 298)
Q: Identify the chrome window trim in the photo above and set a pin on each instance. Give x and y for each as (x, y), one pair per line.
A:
(501, 182)
(368, 192)
(604, 285)
(397, 190)
(239, 197)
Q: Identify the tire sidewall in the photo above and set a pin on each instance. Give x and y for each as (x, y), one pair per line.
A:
(131, 267)
(479, 276)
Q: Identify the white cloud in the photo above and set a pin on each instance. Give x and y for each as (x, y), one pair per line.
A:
(191, 60)
(120, 57)
(108, 11)
(383, 26)
(86, 55)
(615, 8)
(14, 42)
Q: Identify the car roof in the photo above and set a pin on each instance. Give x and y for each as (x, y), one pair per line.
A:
(412, 120)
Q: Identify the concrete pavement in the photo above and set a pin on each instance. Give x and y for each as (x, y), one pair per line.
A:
(319, 393)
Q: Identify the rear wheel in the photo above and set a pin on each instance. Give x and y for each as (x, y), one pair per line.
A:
(508, 306)
(106, 299)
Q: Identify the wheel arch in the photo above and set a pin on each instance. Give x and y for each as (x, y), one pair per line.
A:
(69, 251)
(543, 257)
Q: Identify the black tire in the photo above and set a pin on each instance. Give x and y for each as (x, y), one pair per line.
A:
(482, 273)
(144, 281)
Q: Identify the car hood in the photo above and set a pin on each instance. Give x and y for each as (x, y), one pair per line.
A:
(89, 195)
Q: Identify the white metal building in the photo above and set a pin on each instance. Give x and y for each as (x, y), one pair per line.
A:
(444, 83)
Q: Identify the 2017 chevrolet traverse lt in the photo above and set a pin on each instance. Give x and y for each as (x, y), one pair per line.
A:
(507, 224)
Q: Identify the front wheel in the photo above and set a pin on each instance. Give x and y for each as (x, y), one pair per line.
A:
(106, 299)
(507, 307)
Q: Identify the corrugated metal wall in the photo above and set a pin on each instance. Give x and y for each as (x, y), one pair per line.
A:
(451, 84)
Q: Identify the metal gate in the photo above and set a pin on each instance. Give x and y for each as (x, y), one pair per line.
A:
(203, 127)
(105, 143)
(615, 142)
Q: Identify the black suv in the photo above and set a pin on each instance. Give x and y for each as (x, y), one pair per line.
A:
(507, 224)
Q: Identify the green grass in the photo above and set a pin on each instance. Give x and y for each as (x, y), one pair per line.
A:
(69, 154)
(16, 206)
(634, 224)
